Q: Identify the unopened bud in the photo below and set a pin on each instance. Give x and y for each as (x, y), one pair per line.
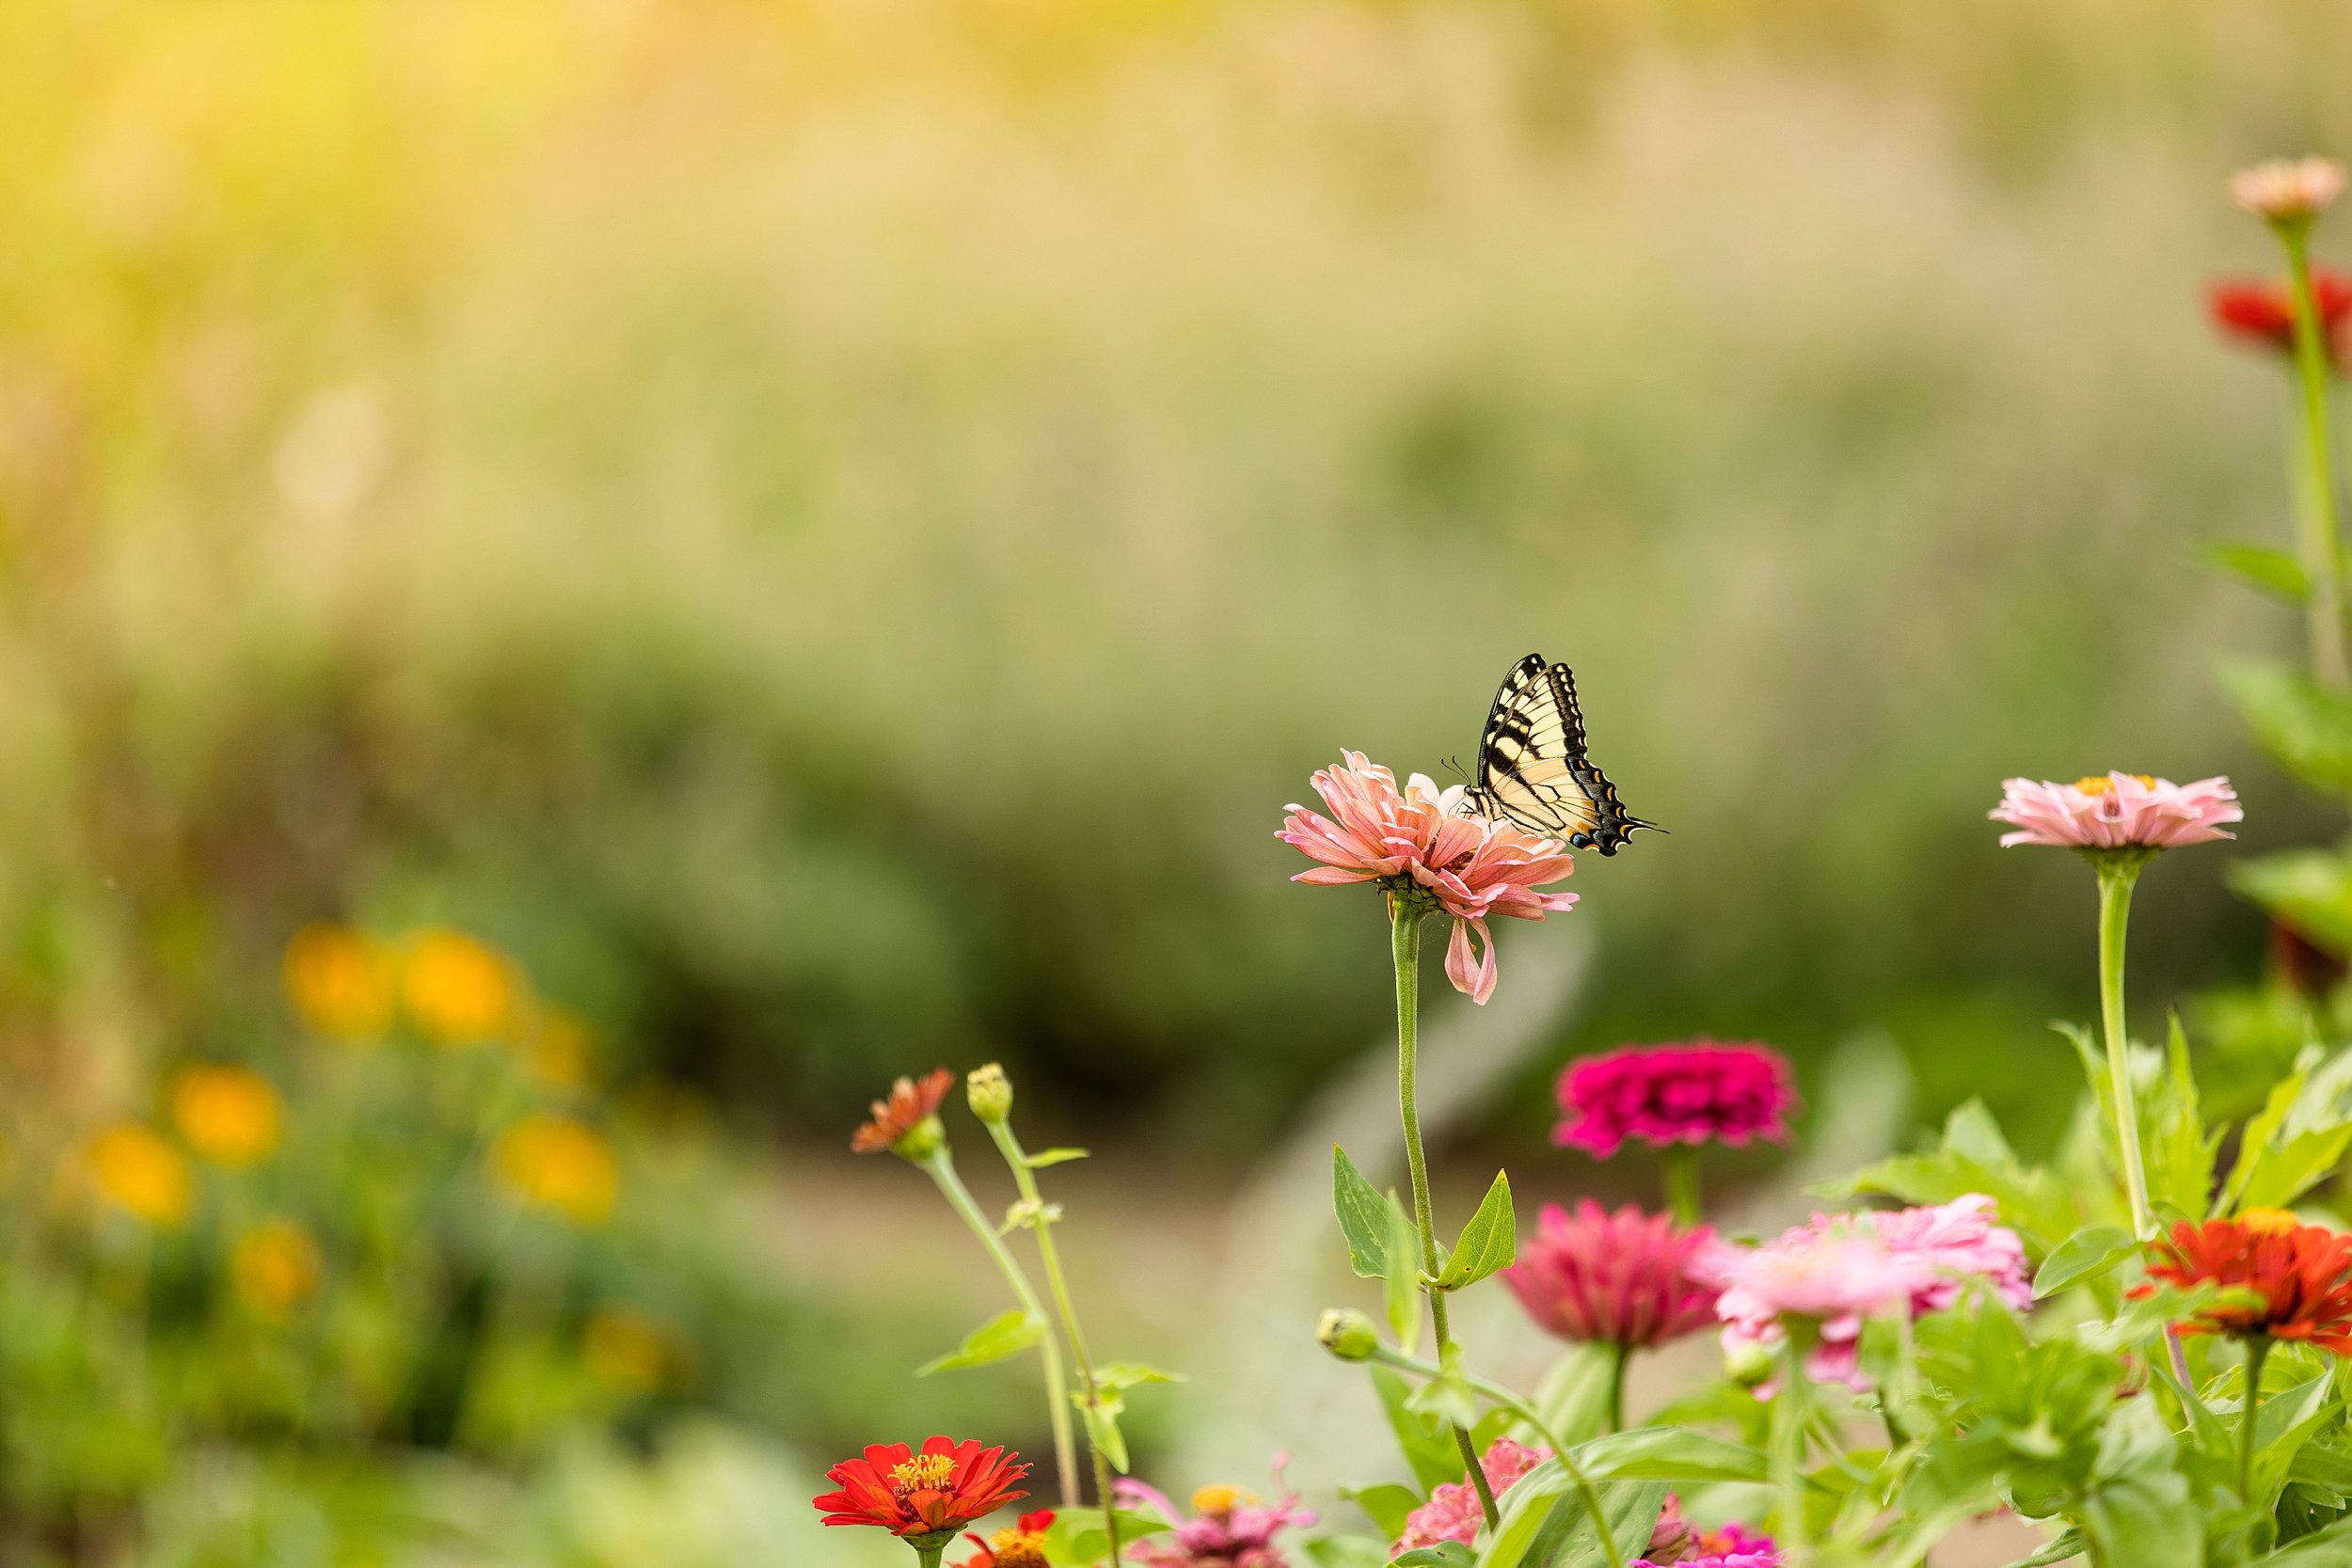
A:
(1348, 1333)
(1750, 1362)
(990, 1093)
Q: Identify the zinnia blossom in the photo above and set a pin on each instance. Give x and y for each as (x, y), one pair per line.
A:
(1842, 1269)
(1228, 1529)
(227, 1114)
(2120, 811)
(558, 1162)
(2288, 190)
(2303, 1273)
(456, 987)
(1676, 1543)
(1699, 1093)
(1423, 843)
(1622, 1279)
(1023, 1545)
(2261, 311)
(932, 1494)
(1766, 1558)
(1452, 1512)
(912, 1103)
(137, 1170)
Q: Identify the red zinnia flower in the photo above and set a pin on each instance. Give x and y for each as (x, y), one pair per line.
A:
(936, 1492)
(910, 1105)
(1698, 1093)
(1022, 1546)
(2263, 312)
(2302, 1271)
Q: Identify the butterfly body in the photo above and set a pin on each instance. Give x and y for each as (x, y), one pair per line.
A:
(1532, 769)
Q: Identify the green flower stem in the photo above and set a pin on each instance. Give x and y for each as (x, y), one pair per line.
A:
(2257, 1351)
(2323, 544)
(941, 1168)
(1405, 917)
(1681, 1164)
(2116, 875)
(1502, 1399)
(927, 1555)
(1790, 1417)
(1042, 1224)
(1616, 1386)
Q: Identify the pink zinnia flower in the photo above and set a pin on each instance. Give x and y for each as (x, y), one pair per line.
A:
(1676, 1543)
(2120, 811)
(1421, 842)
(1452, 1512)
(1228, 1529)
(1621, 1279)
(1698, 1093)
(1841, 1269)
(1767, 1559)
(2288, 190)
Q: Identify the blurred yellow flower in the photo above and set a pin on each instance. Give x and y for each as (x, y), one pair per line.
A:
(276, 1268)
(559, 1049)
(229, 1115)
(141, 1174)
(339, 981)
(562, 1164)
(456, 988)
(624, 1347)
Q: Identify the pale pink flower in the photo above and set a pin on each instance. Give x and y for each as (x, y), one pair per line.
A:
(2288, 190)
(1452, 1512)
(1619, 1280)
(2120, 811)
(1228, 1528)
(1421, 842)
(1701, 1092)
(1843, 1269)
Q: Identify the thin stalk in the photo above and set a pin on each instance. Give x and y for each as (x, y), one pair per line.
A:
(1681, 1164)
(1616, 1388)
(2116, 878)
(1404, 918)
(1502, 1399)
(1042, 1224)
(928, 1556)
(2323, 544)
(2257, 1351)
(941, 1167)
(1788, 1434)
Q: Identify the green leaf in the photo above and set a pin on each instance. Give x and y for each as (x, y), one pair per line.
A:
(1975, 1158)
(1448, 1396)
(2303, 725)
(1487, 1243)
(1572, 1397)
(1669, 1453)
(1544, 1522)
(2309, 889)
(2283, 1156)
(1386, 1504)
(2284, 1424)
(1448, 1554)
(1128, 1374)
(1045, 1157)
(1007, 1334)
(1077, 1536)
(2330, 1547)
(2138, 1509)
(2179, 1150)
(2084, 1255)
(1403, 1296)
(1363, 1217)
(2261, 568)
(1429, 1452)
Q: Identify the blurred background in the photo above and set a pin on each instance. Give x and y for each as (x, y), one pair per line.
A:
(712, 554)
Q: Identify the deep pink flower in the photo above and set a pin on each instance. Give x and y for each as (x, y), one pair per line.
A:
(1620, 1280)
(1841, 1269)
(1422, 841)
(2120, 811)
(1452, 1512)
(1717, 1559)
(1674, 1543)
(1699, 1093)
(1228, 1528)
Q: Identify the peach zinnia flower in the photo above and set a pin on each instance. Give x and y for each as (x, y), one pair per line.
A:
(2120, 811)
(907, 1123)
(1421, 842)
(2288, 190)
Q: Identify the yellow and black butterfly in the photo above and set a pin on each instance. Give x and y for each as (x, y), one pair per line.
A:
(1532, 769)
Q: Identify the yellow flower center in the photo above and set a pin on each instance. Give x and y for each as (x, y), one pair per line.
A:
(2270, 1222)
(1018, 1548)
(2102, 785)
(1219, 1498)
(925, 1472)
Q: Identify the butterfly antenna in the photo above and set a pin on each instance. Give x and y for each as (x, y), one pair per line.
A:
(1453, 766)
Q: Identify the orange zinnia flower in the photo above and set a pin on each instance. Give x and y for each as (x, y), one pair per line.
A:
(933, 1493)
(913, 1103)
(2303, 1273)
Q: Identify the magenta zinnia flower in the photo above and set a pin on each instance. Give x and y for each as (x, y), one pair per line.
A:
(1698, 1093)
(1841, 1269)
(1452, 1512)
(2120, 811)
(1766, 1558)
(1676, 1543)
(1621, 1279)
(1421, 842)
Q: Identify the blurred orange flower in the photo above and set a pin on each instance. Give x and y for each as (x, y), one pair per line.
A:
(624, 1347)
(339, 981)
(229, 1115)
(136, 1170)
(559, 1049)
(561, 1164)
(276, 1268)
(456, 988)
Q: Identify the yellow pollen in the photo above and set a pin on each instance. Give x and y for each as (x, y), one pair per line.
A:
(2270, 1222)
(925, 1472)
(2102, 785)
(1219, 1498)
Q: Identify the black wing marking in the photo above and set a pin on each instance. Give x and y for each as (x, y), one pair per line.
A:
(1532, 769)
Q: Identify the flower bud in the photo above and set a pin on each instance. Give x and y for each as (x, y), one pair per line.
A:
(990, 1093)
(921, 1140)
(1749, 1362)
(1348, 1333)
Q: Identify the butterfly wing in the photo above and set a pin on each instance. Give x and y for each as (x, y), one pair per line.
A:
(1533, 767)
